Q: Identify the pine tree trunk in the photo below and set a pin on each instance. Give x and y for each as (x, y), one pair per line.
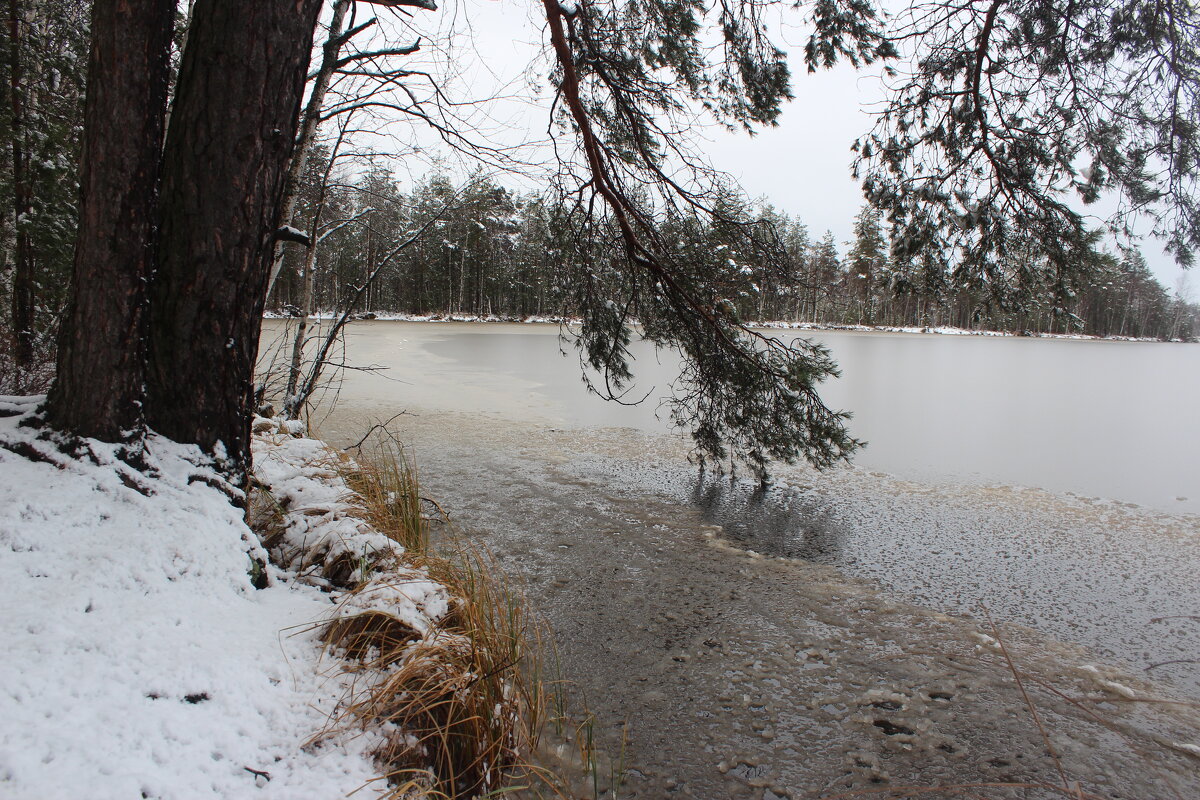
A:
(419, 293)
(233, 126)
(98, 389)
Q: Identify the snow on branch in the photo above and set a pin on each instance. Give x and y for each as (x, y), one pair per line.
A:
(392, 51)
(428, 5)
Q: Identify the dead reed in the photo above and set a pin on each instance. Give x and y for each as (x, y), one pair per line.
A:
(460, 705)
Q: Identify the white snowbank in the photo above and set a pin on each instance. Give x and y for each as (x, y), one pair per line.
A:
(320, 529)
(397, 316)
(137, 659)
(944, 330)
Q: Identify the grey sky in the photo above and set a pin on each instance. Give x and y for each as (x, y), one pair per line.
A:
(801, 166)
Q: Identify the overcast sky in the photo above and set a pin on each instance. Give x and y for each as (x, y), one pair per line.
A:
(801, 166)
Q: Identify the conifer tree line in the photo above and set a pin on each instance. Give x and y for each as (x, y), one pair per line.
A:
(199, 120)
(496, 251)
(43, 70)
(488, 250)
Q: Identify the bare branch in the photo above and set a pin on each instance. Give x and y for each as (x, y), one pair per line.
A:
(427, 5)
(392, 51)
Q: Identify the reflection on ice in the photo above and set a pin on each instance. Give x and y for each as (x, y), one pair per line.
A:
(765, 519)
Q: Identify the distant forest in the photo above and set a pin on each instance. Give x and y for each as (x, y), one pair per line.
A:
(483, 249)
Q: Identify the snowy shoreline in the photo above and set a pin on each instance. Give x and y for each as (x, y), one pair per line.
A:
(140, 659)
(385, 316)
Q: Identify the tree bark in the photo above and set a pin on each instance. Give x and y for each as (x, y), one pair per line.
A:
(98, 389)
(232, 131)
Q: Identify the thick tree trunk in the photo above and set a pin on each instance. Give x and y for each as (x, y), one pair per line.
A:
(233, 126)
(98, 390)
(22, 284)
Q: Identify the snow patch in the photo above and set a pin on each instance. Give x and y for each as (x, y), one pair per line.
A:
(139, 660)
(320, 527)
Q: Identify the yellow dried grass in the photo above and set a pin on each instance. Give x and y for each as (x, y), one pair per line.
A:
(462, 706)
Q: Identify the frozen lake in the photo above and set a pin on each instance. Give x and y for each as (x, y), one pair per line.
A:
(1116, 420)
(1037, 478)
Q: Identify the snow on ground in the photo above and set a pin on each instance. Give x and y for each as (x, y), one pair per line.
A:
(397, 316)
(321, 530)
(137, 658)
(944, 330)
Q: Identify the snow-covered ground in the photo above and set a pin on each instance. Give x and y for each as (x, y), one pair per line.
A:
(138, 659)
(395, 316)
(944, 330)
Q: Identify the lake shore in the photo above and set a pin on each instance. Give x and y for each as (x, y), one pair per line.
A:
(715, 671)
(162, 646)
(387, 316)
(857, 660)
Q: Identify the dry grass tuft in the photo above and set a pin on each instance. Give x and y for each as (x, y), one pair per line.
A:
(461, 706)
(442, 663)
(448, 717)
(360, 635)
(390, 497)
